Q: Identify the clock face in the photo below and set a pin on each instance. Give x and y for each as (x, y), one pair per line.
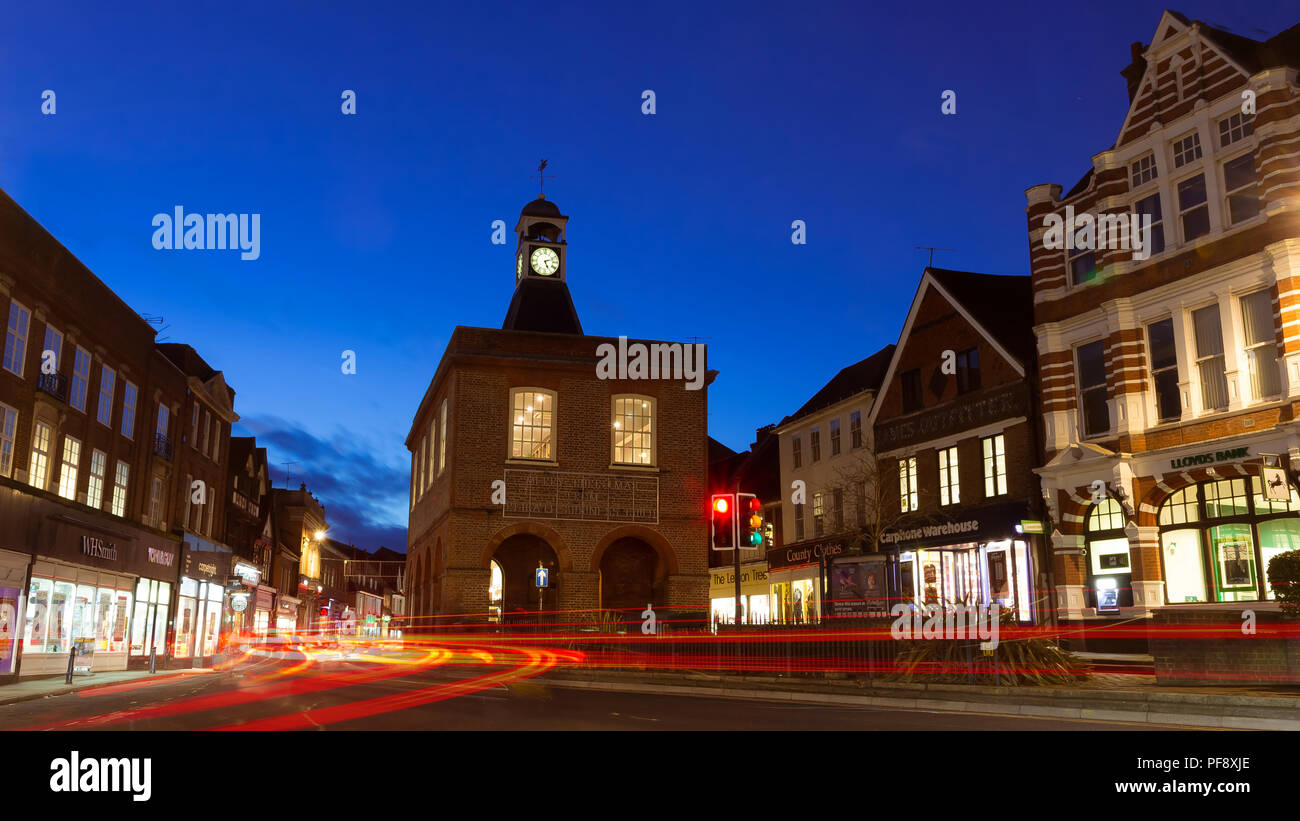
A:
(545, 261)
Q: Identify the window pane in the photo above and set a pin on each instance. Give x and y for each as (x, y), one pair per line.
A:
(1184, 570)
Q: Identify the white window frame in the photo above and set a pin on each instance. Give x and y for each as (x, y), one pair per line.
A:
(80, 379)
(855, 430)
(550, 430)
(949, 477)
(19, 347)
(994, 450)
(907, 492)
(104, 407)
(835, 437)
(69, 467)
(1269, 345)
(1149, 172)
(95, 479)
(130, 396)
(38, 466)
(442, 434)
(50, 330)
(1243, 128)
(1226, 195)
(617, 420)
(8, 439)
(1190, 155)
(121, 486)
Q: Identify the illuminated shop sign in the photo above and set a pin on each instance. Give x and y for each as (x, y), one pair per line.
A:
(98, 548)
(1209, 458)
(162, 557)
(793, 556)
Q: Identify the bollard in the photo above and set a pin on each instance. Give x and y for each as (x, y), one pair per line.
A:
(153, 656)
(72, 657)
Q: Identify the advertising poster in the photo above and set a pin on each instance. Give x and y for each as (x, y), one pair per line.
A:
(858, 588)
(8, 627)
(1235, 559)
(85, 656)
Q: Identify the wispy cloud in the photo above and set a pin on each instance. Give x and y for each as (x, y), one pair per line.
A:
(364, 498)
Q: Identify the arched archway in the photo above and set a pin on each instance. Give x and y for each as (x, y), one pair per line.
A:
(518, 557)
(630, 576)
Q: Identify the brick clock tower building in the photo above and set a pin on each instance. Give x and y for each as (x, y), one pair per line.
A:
(1171, 376)
(525, 453)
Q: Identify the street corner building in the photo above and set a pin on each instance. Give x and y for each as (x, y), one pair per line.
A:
(102, 432)
(1170, 374)
(526, 453)
(955, 437)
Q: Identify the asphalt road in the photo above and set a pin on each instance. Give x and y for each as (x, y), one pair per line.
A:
(473, 689)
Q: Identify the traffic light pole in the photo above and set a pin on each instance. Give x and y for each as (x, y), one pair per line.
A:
(735, 552)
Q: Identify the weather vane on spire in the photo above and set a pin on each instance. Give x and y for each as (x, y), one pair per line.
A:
(541, 180)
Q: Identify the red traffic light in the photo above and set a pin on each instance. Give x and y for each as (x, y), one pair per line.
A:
(754, 504)
(720, 504)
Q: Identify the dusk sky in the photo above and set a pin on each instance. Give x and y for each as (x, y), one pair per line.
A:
(376, 228)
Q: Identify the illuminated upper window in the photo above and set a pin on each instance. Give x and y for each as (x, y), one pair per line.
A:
(532, 424)
(633, 430)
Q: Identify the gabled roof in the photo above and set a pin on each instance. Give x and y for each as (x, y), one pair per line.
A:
(542, 305)
(1000, 303)
(998, 306)
(866, 375)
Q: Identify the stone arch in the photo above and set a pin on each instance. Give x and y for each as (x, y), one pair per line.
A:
(1149, 510)
(667, 564)
(562, 552)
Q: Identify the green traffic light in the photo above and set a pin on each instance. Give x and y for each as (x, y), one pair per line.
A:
(755, 539)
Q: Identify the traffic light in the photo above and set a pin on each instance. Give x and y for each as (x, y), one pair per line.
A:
(750, 516)
(722, 521)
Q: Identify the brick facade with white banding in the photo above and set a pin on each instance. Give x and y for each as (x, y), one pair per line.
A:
(1199, 344)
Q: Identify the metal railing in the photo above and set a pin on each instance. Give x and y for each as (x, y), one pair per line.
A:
(55, 384)
(162, 445)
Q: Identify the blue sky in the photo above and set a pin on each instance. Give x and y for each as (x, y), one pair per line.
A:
(376, 228)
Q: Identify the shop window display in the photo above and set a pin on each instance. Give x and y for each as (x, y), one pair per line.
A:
(1217, 537)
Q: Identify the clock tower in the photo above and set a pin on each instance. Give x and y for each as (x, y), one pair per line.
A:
(541, 245)
(541, 301)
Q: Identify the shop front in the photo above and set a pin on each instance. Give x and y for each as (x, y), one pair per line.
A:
(241, 592)
(286, 616)
(978, 560)
(81, 588)
(1187, 527)
(13, 581)
(754, 594)
(370, 610)
(263, 607)
(797, 577)
(200, 602)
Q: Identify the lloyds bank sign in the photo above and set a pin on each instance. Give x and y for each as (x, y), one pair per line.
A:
(1210, 458)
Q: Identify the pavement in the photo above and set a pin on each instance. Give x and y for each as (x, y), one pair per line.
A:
(26, 689)
(495, 694)
(1103, 697)
(1118, 700)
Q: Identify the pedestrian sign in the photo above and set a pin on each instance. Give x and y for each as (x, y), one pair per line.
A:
(543, 576)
